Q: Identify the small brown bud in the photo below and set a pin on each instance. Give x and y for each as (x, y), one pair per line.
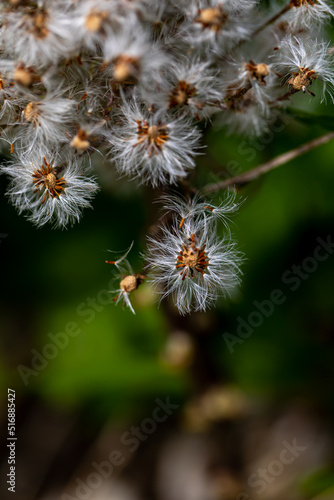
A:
(80, 141)
(129, 284)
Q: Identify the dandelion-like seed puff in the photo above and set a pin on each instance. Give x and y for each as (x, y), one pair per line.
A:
(190, 262)
(50, 188)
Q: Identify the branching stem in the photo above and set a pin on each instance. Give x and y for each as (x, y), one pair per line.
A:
(238, 93)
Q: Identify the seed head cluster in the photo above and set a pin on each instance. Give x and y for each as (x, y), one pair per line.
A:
(138, 82)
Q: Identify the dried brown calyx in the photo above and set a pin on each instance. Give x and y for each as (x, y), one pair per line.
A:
(126, 69)
(192, 258)
(30, 112)
(257, 71)
(181, 94)
(26, 76)
(212, 18)
(302, 79)
(46, 177)
(80, 142)
(130, 283)
(155, 135)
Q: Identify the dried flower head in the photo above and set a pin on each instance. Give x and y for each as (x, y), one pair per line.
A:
(153, 146)
(303, 62)
(191, 263)
(50, 188)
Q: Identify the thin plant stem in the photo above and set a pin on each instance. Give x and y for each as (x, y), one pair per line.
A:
(256, 172)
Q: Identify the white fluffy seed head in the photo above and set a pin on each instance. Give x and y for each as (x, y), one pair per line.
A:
(38, 36)
(188, 87)
(217, 25)
(127, 281)
(302, 62)
(153, 147)
(189, 261)
(310, 13)
(197, 209)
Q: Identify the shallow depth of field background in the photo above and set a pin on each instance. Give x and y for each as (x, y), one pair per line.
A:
(275, 387)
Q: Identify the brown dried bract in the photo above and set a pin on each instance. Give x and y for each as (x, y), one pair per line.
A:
(301, 3)
(239, 100)
(46, 177)
(94, 21)
(181, 94)
(192, 258)
(36, 23)
(258, 71)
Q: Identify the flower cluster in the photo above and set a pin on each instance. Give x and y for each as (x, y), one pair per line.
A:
(132, 80)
